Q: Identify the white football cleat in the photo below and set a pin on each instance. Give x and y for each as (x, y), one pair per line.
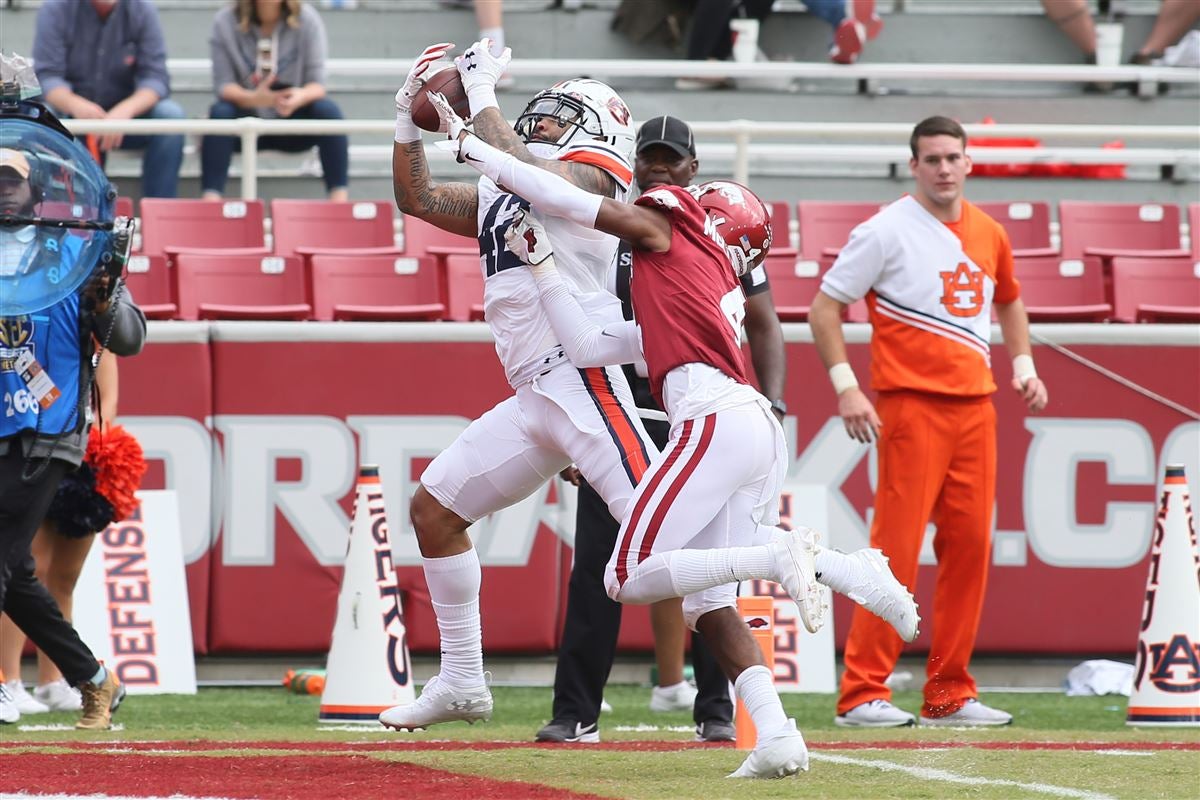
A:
(778, 755)
(878, 713)
(796, 572)
(973, 714)
(876, 589)
(680, 697)
(441, 702)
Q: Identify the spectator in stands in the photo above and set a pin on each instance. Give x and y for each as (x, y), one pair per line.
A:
(107, 59)
(1175, 18)
(268, 60)
(87, 501)
(712, 39)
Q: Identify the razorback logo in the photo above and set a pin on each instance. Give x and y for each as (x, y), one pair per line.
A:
(757, 622)
(962, 291)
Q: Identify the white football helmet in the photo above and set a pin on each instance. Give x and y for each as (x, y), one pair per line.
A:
(590, 110)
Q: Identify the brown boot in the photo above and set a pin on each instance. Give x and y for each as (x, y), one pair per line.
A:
(99, 702)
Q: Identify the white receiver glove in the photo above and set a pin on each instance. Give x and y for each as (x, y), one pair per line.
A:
(451, 123)
(406, 130)
(737, 259)
(480, 70)
(526, 238)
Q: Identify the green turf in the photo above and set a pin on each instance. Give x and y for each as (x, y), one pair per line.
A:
(274, 714)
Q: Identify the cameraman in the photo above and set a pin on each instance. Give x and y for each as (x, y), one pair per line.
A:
(46, 370)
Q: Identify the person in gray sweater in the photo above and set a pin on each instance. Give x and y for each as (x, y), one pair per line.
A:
(268, 60)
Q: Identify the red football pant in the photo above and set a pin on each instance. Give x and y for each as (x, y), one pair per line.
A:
(937, 462)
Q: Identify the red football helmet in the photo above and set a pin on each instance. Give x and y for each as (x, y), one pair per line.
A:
(741, 219)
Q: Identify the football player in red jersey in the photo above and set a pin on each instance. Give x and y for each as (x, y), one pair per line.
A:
(704, 515)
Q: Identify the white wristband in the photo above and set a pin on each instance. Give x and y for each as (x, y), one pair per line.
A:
(842, 376)
(406, 130)
(481, 97)
(545, 273)
(1023, 368)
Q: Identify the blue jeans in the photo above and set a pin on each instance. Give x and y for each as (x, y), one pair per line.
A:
(164, 153)
(832, 11)
(217, 151)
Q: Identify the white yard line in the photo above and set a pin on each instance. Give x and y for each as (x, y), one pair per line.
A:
(928, 773)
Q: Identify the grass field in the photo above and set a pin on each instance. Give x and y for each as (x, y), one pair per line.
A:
(267, 743)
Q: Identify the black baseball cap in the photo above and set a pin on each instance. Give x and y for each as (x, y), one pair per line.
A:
(670, 131)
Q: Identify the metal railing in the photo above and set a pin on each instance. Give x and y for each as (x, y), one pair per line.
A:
(747, 140)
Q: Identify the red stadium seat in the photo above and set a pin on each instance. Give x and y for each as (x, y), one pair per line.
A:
(123, 207)
(464, 287)
(1027, 224)
(1062, 291)
(1156, 289)
(781, 228)
(1194, 229)
(825, 227)
(420, 236)
(297, 224)
(222, 285)
(149, 282)
(200, 223)
(1108, 229)
(795, 281)
(388, 286)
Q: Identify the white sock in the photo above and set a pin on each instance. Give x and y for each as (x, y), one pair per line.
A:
(694, 571)
(497, 37)
(454, 589)
(834, 569)
(755, 688)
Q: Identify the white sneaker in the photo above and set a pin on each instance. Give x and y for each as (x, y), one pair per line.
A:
(973, 714)
(793, 554)
(605, 706)
(781, 754)
(875, 714)
(8, 707)
(59, 696)
(441, 702)
(680, 697)
(23, 700)
(876, 589)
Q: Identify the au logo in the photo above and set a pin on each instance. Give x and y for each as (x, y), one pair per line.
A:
(962, 290)
(1174, 665)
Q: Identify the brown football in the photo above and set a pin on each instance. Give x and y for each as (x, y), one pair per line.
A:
(447, 82)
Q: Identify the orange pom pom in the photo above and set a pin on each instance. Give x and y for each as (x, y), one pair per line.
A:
(119, 464)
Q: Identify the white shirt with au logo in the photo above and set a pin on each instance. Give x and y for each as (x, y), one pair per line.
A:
(930, 301)
(14, 247)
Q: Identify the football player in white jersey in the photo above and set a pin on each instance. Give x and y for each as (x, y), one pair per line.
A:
(558, 415)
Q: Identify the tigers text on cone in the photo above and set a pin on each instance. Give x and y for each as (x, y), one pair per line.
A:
(369, 669)
(1166, 679)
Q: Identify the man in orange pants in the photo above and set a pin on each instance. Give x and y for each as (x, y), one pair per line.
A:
(931, 266)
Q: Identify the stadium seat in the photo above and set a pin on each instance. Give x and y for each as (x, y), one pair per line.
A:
(1156, 289)
(1027, 224)
(200, 223)
(781, 227)
(420, 235)
(795, 281)
(1062, 291)
(222, 285)
(388, 286)
(825, 227)
(323, 224)
(149, 282)
(464, 287)
(1107, 229)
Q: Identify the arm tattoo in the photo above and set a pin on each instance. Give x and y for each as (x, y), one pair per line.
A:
(491, 126)
(419, 196)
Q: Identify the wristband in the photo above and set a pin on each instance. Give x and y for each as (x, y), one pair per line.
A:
(545, 273)
(842, 376)
(1023, 368)
(481, 97)
(407, 131)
